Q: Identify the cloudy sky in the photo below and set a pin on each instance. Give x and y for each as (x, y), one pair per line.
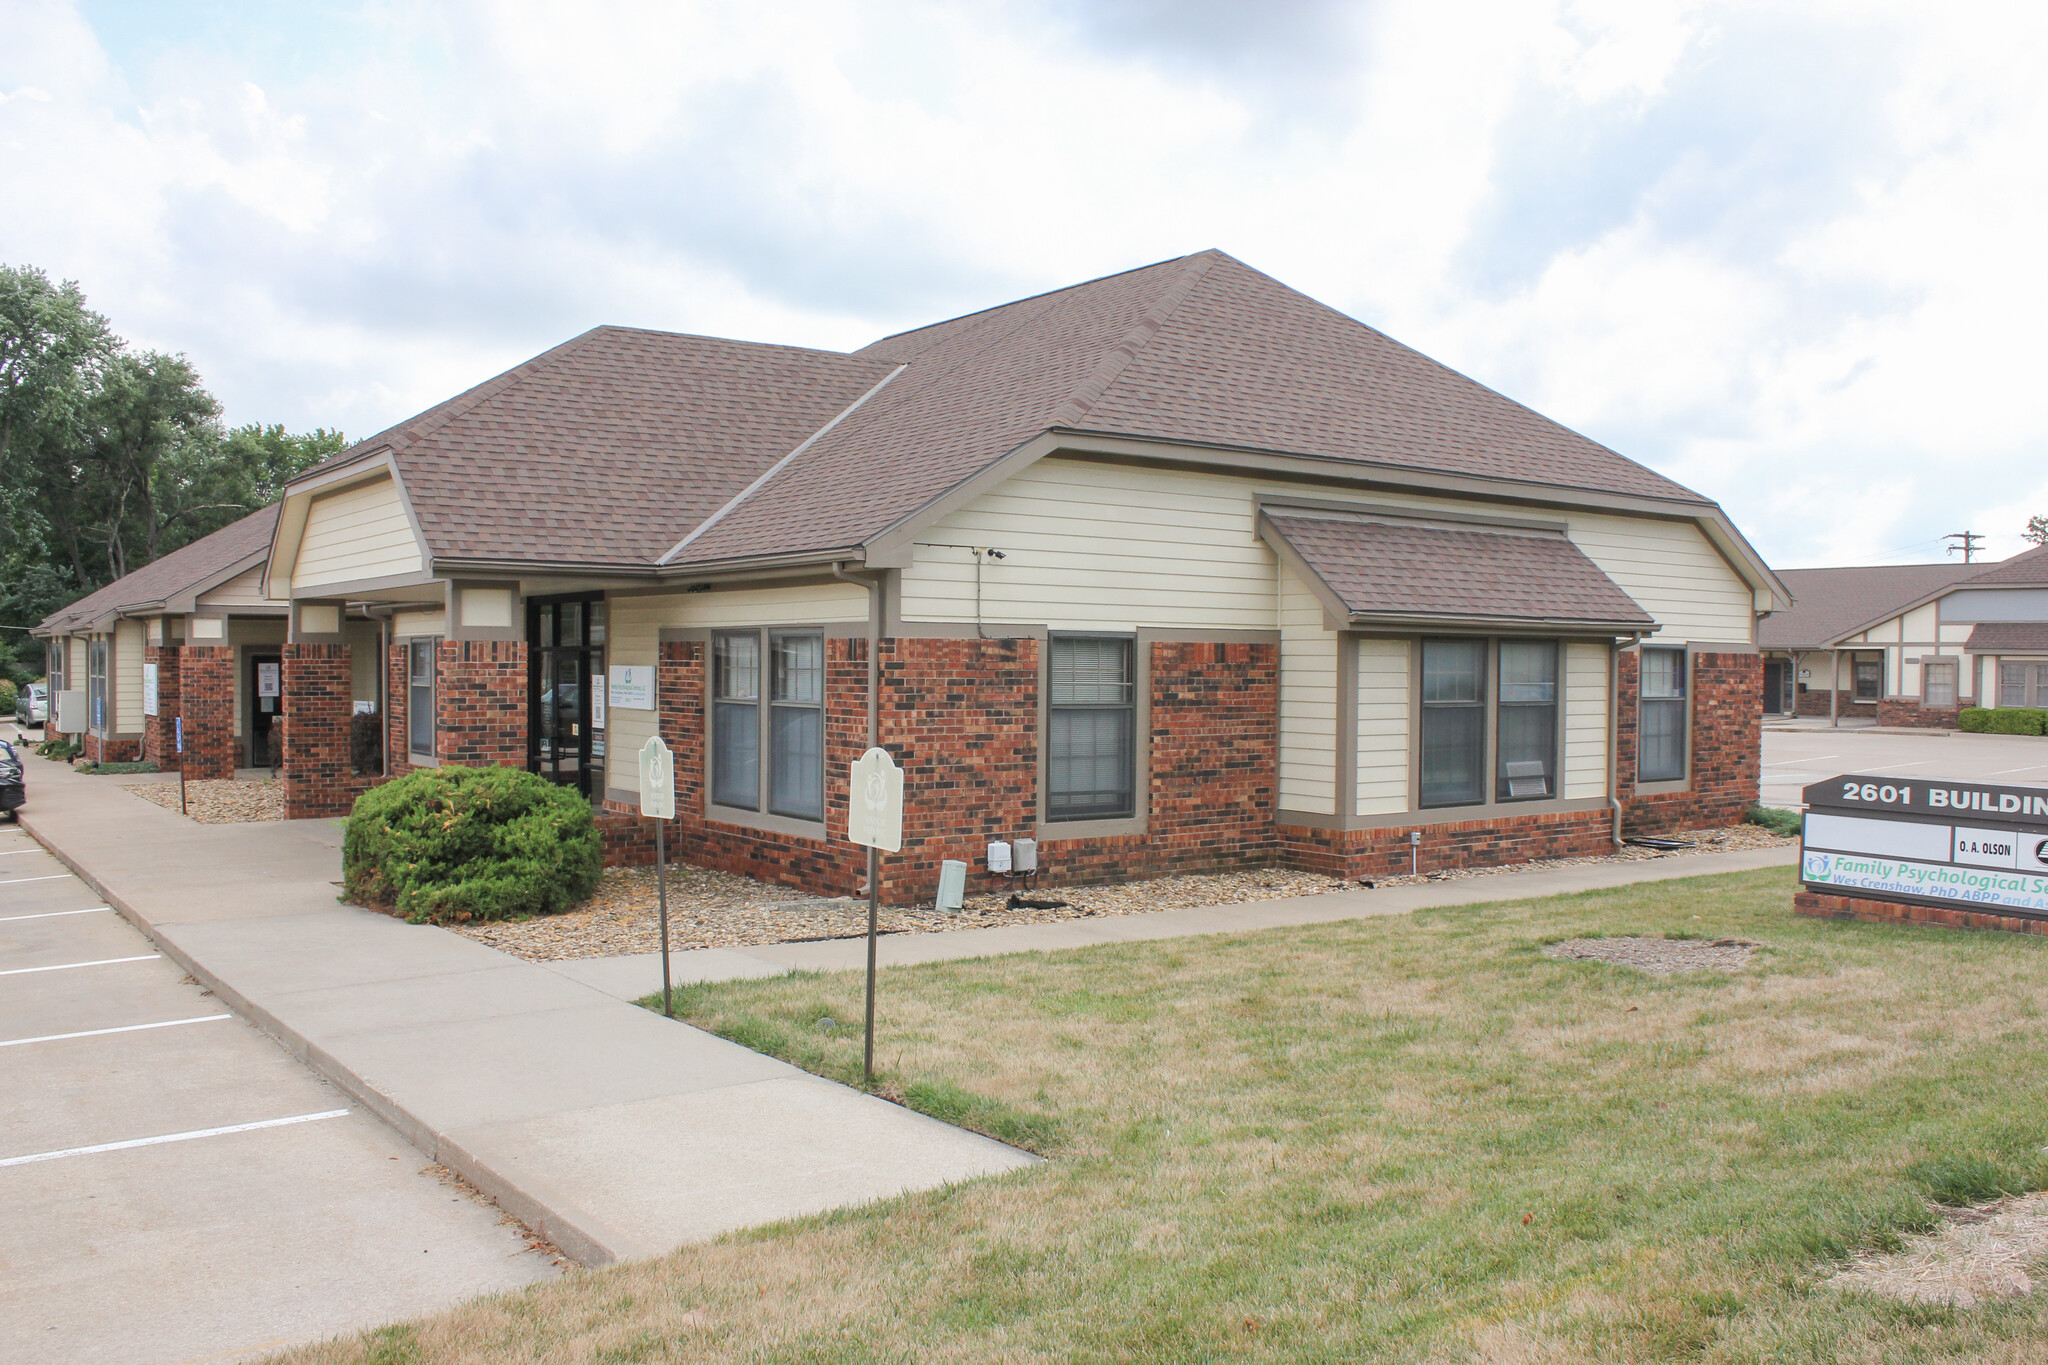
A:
(1790, 254)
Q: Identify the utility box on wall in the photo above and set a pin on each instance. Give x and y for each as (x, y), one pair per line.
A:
(70, 708)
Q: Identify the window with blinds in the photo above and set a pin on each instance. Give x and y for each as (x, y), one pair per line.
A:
(1091, 729)
(1661, 742)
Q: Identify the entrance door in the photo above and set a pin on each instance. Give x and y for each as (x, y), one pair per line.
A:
(1774, 687)
(266, 698)
(565, 639)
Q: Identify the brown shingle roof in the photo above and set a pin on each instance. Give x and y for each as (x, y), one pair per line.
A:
(1830, 603)
(173, 574)
(1406, 570)
(2029, 570)
(1201, 350)
(2009, 637)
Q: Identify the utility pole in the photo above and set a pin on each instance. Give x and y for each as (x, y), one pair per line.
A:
(1971, 543)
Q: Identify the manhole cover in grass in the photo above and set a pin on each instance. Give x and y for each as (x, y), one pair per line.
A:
(1660, 956)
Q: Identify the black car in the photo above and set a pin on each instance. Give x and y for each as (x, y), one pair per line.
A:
(13, 787)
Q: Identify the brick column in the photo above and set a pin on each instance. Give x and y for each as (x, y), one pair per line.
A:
(159, 735)
(206, 699)
(318, 780)
(480, 695)
(1727, 744)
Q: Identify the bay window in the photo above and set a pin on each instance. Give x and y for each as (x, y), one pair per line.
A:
(1661, 741)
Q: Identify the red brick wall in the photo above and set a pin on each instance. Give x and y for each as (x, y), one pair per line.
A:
(1898, 912)
(1814, 702)
(1908, 713)
(109, 748)
(1466, 843)
(1727, 740)
(206, 694)
(317, 704)
(159, 733)
(480, 696)
(396, 703)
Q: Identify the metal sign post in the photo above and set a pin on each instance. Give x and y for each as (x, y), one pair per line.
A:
(874, 817)
(178, 728)
(658, 803)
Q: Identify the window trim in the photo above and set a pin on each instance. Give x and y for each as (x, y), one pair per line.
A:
(761, 817)
(1660, 786)
(1139, 821)
(413, 756)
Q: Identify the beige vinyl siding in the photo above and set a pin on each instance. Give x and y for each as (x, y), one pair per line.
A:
(1383, 711)
(129, 638)
(1097, 546)
(406, 623)
(74, 669)
(634, 635)
(1308, 702)
(1956, 633)
(1921, 623)
(358, 533)
(243, 590)
(1585, 720)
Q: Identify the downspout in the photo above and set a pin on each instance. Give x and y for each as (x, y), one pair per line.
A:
(1614, 733)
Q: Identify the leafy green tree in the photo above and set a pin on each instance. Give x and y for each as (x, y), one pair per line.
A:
(2037, 530)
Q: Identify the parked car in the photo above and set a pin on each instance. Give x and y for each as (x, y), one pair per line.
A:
(32, 704)
(13, 786)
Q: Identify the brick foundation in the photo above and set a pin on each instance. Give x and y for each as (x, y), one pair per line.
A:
(159, 732)
(1815, 703)
(1907, 713)
(1727, 739)
(1897, 912)
(206, 696)
(1353, 854)
(318, 702)
(110, 748)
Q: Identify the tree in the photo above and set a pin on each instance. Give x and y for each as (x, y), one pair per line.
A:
(2037, 530)
(51, 346)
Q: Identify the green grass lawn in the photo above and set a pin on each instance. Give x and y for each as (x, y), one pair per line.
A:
(1402, 1139)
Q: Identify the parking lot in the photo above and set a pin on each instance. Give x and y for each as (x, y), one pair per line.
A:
(174, 1186)
(1794, 758)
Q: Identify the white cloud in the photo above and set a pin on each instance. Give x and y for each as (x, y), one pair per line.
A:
(1784, 253)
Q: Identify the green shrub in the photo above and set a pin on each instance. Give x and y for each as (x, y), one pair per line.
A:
(2004, 720)
(60, 749)
(110, 769)
(1776, 819)
(451, 845)
(8, 693)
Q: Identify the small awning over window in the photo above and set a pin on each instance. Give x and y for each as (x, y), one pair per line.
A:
(1399, 571)
(2009, 637)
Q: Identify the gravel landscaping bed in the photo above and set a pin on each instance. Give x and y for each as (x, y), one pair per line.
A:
(1659, 956)
(218, 801)
(723, 910)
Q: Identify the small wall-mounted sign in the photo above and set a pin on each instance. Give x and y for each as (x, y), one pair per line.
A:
(597, 691)
(149, 689)
(632, 687)
(267, 680)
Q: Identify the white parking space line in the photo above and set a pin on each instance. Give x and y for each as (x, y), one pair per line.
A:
(125, 1028)
(12, 851)
(2030, 768)
(52, 914)
(172, 1137)
(52, 877)
(67, 966)
(1787, 762)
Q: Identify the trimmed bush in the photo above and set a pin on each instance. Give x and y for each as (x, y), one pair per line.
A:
(455, 845)
(2004, 720)
(1776, 819)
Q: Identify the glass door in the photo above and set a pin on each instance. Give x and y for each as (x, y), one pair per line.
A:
(565, 642)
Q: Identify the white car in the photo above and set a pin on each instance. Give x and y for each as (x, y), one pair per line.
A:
(32, 704)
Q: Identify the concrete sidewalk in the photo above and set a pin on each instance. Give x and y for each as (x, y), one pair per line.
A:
(612, 1131)
(633, 976)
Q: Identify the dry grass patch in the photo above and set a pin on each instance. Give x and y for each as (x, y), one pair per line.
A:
(1404, 1139)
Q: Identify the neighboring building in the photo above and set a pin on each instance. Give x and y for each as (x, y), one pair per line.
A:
(1176, 570)
(190, 635)
(1909, 644)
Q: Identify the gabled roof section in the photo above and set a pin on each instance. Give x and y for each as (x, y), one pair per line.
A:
(608, 448)
(1831, 603)
(237, 546)
(1201, 350)
(1398, 570)
(2029, 570)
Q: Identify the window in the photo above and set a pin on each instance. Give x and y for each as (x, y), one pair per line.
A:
(2012, 684)
(96, 683)
(1090, 729)
(1661, 744)
(1454, 722)
(1528, 720)
(796, 726)
(1869, 675)
(419, 697)
(790, 728)
(1938, 683)
(54, 674)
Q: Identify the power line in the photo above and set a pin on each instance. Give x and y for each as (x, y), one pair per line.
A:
(1971, 543)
